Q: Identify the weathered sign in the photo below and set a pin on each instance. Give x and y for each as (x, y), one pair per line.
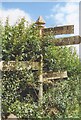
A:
(67, 41)
(55, 75)
(68, 29)
(13, 65)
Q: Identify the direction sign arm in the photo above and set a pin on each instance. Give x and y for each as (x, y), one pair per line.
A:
(68, 29)
(67, 41)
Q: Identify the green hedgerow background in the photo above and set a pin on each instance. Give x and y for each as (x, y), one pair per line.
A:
(61, 98)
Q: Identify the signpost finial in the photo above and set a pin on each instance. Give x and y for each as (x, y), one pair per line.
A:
(40, 22)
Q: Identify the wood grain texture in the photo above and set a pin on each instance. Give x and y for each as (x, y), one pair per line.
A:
(69, 29)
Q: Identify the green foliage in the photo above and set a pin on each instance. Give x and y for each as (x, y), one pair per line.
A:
(60, 58)
(22, 110)
(17, 40)
(14, 86)
(64, 97)
(23, 43)
(20, 87)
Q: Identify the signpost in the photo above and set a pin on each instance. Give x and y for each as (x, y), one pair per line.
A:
(69, 29)
(58, 42)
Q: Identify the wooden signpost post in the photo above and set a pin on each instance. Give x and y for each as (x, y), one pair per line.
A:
(58, 42)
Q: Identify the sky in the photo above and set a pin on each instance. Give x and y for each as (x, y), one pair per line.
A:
(54, 13)
(39, 0)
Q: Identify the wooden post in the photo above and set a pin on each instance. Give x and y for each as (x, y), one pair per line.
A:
(41, 81)
(40, 24)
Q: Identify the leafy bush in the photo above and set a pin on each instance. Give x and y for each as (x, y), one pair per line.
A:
(20, 88)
